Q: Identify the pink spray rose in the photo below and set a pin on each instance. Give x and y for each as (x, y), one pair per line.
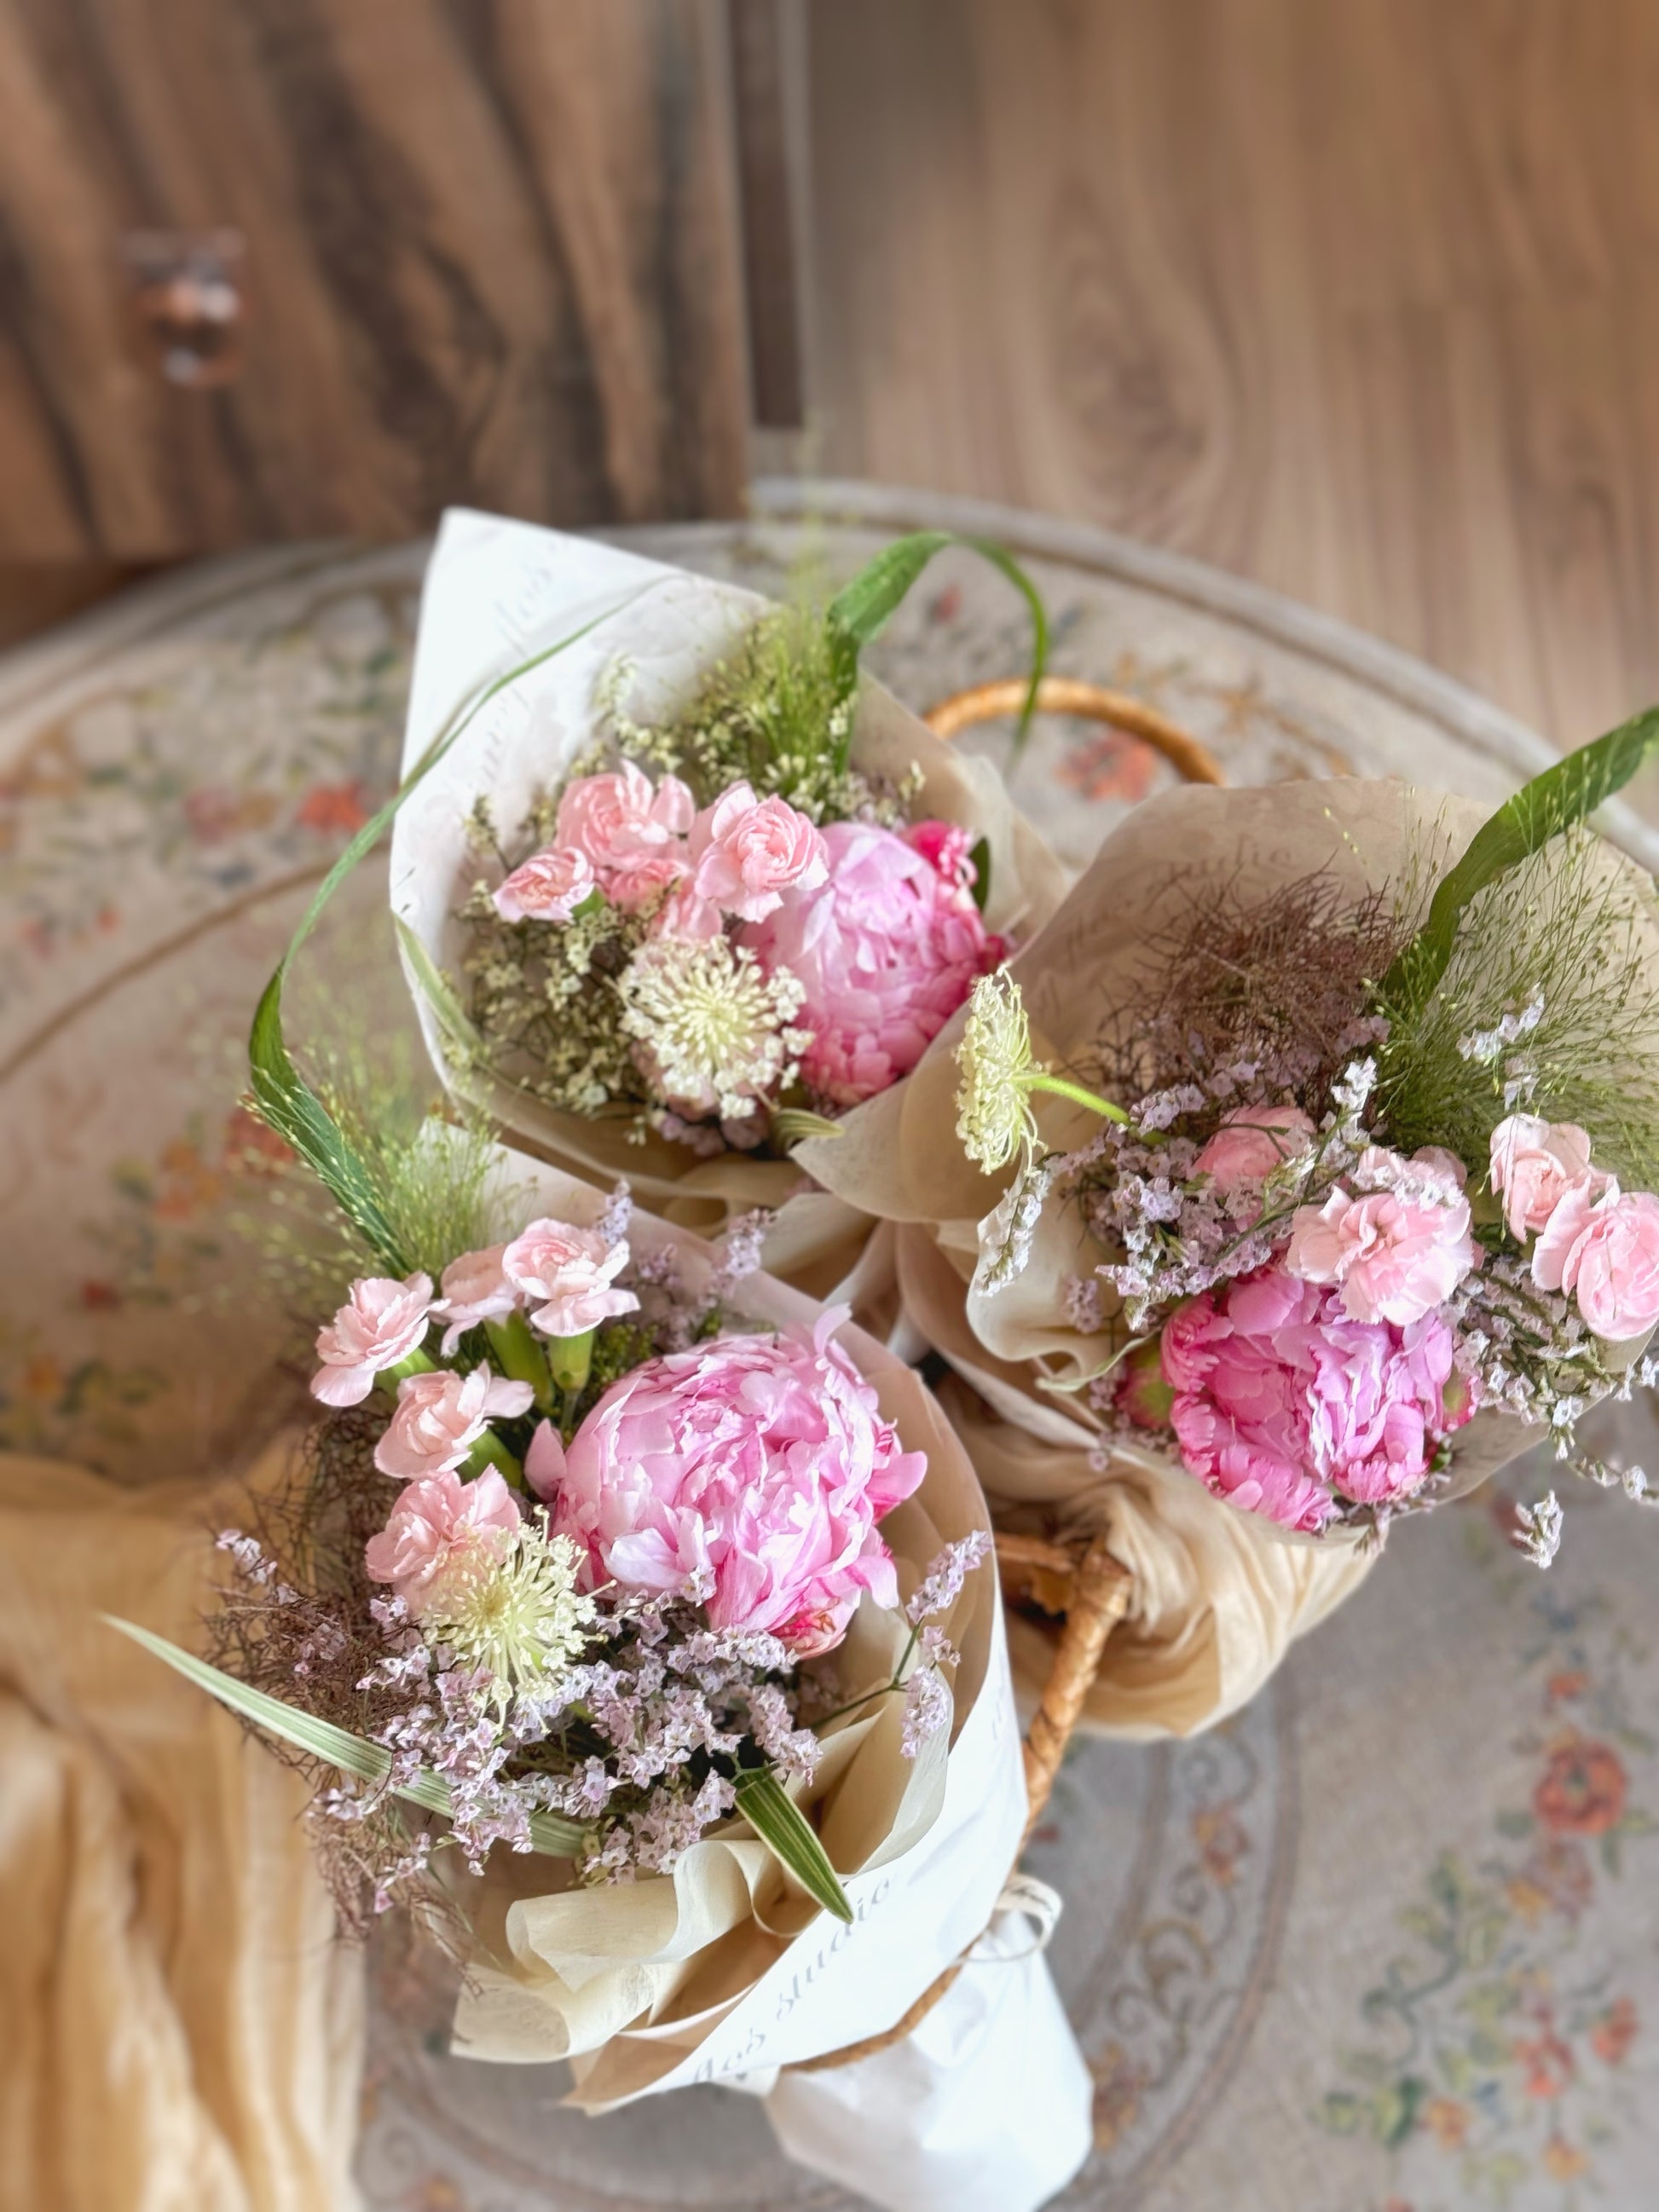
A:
(1601, 1246)
(746, 852)
(1534, 1163)
(441, 1529)
(441, 1415)
(885, 951)
(571, 1271)
(1282, 1397)
(631, 832)
(1399, 1250)
(548, 887)
(1250, 1142)
(751, 1471)
(380, 1323)
(476, 1288)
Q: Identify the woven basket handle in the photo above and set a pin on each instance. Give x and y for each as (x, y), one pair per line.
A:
(1065, 694)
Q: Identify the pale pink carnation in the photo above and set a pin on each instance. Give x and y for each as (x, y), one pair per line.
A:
(750, 1471)
(1602, 1247)
(631, 831)
(1250, 1142)
(548, 887)
(747, 852)
(381, 1322)
(1534, 1163)
(1395, 1256)
(441, 1415)
(683, 914)
(476, 1289)
(572, 1271)
(441, 1529)
(1282, 1399)
(885, 951)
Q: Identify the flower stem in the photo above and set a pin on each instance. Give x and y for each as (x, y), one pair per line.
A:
(520, 1356)
(571, 1358)
(1062, 1088)
(490, 1451)
(413, 1363)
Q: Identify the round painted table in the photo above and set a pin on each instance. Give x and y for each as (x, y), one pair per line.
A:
(1389, 1941)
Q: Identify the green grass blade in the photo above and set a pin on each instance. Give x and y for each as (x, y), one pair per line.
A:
(1523, 825)
(862, 608)
(336, 1746)
(438, 991)
(284, 1098)
(785, 1829)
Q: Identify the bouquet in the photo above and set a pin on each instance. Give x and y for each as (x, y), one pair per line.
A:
(627, 1610)
(1306, 1160)
(685, 888)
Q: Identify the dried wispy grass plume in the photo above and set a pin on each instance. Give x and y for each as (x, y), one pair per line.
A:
(1278, 978)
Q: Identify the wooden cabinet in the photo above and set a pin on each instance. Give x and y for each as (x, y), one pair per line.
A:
(480, 250)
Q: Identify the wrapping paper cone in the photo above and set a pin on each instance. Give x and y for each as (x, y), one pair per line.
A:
(724, 1968)
(985, 2107)
(497, 592)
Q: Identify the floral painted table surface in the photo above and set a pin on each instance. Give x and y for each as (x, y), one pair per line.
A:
(1389, 1942)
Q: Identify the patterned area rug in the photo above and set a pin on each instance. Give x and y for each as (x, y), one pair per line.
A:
(1389, 1942)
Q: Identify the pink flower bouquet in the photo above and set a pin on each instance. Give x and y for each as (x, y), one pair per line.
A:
(630, 1612)
(1307, 1160)
(686, 887)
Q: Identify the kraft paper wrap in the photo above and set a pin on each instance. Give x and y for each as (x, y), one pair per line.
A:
(495, 594)
(1218, 1594)
(182, 2032)
(724, 1971)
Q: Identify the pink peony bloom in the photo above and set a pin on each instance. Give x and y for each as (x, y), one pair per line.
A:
(886, 951)
(747, 852)
(1602, 1247)
(1282, 1397)
(1534, 1163)
(548, 887)
(441, 1415)
(380, 1323)
(1396, 1254)
(751, 1471)
(441, 1529)
(571, 1271)
(475, 1288)
(631, 832)
(1250, 1142)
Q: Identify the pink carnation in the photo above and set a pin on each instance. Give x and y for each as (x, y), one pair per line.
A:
(751, 1471)
(944, 846)
(380, 1323)
(1396, 1253)
(1601, 1246)
(441, 1529)
(1534, 1163)
(747, 852)
(476, 1288)
(1282, 1397)
(886, 951)
(548, 887)
(571, 1271)
(1250, 1142)
(441, 1415)
(631, 832)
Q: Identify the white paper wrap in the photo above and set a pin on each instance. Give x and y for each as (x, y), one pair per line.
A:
(725, 1970)
(496, 593)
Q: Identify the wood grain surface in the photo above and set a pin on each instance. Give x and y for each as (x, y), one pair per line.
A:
(491, 249)
(1359, 298)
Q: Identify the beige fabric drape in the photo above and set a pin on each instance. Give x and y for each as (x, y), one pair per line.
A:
(182, 2032)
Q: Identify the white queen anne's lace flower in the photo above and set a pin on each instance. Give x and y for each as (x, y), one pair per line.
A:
(993, 1099)
(713, 1026)
(520, 1618)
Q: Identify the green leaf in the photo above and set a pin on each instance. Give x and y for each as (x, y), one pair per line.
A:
(336, 1746)
(286, 1100)
(792, 1125)
(782, 1826)
(437, 989)
(981, 857)
(1523, 825)
(862, 608)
